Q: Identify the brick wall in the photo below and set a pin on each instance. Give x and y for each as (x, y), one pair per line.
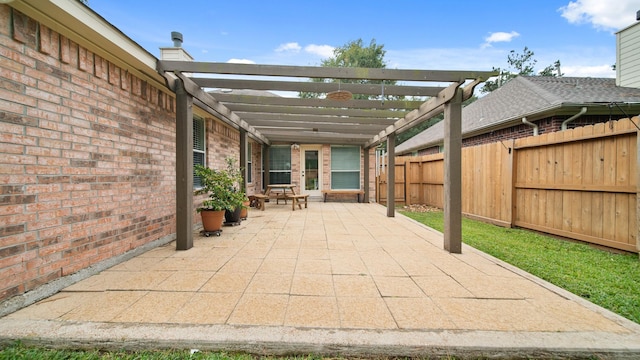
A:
(87, 170)
(545, 126)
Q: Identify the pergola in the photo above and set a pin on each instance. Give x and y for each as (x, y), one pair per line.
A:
(275, 119)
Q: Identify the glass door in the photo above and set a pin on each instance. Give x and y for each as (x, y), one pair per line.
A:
(311, 170)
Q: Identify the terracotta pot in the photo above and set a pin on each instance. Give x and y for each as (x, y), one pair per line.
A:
(245, 210)
(212, 219)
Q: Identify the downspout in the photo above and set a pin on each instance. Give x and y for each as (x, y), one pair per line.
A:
(564, 123)
(534, 126)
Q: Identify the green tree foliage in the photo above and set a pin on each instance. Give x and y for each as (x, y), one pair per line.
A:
(355, 54)
(520, 64)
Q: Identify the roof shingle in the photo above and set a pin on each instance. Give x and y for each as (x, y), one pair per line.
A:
(526, 96)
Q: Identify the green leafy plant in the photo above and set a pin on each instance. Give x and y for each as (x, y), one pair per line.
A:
(222, 186)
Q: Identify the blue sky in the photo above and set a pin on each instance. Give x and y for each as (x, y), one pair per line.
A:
(420, 34)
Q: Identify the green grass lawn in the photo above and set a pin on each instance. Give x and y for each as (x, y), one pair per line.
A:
(18, 351)
(608, 279)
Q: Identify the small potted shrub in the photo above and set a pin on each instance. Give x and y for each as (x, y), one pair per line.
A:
(245, 208)
(224, 194)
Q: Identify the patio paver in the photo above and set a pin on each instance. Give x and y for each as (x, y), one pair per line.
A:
(333, 278)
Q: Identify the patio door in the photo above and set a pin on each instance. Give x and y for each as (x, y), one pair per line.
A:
(310, 169)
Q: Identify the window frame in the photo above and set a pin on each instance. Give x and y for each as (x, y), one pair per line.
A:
(196, 121)
(249, 170)
(333, 171)
(286, 150)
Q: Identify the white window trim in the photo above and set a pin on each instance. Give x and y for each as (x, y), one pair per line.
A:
(204, 142)
(331, 171)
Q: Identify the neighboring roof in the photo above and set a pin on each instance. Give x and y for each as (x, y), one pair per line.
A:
(534, 97)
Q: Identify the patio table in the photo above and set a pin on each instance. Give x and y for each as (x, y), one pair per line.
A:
(281, 194)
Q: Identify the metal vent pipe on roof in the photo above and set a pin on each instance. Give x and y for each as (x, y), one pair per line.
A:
(564, 123)
(176, 37)
(534, 126)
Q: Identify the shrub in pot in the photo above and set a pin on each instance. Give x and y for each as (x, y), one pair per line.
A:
(223, 190)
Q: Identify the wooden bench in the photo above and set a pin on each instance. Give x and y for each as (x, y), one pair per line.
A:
(260, 198)
(348, 192)
(295, 199)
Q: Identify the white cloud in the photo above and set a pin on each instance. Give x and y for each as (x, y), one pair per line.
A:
(325, 51)
(241, 61)
(501, 36)
(604, 71)
(600, 14)
(289, 47)
(579, 62)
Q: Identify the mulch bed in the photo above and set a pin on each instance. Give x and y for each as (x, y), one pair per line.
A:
(420, 208)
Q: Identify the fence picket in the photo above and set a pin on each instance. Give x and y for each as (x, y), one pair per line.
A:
(579, 183)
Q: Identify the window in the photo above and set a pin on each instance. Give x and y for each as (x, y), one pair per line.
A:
(280, 165)
(249, 163)
(345, 167)
(198, 148)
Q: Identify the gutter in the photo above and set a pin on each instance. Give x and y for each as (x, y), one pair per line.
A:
(564, 123)
(534, 126)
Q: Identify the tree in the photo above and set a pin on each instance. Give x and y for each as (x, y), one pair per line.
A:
(355, 54)
(520, 64)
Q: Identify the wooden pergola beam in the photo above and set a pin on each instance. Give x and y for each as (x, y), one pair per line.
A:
(367, 113)
(265, 126)
(231, 98)
(427, 110)
(317, 87)
(218, 109)
(325, 72)
(315, 118)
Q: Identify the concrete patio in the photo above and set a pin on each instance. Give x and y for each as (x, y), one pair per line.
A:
(333, 279)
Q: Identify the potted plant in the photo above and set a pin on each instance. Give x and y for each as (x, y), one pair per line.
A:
(245, 208)
(224, 194)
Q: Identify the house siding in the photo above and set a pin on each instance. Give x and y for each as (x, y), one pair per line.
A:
(88, 157)
(628, 56)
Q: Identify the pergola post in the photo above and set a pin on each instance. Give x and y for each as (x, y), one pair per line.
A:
(391, 175)
(453, 174)
(184, 168)
(243, 158)
(366, 152)
(265, 165)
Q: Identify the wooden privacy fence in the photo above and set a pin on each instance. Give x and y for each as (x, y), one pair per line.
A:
(579, 183)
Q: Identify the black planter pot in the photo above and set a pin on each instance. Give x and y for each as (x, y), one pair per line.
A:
(232, 217)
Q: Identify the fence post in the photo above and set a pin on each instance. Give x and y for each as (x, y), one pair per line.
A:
(637, 192)
(407, 181)
(510, 171)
